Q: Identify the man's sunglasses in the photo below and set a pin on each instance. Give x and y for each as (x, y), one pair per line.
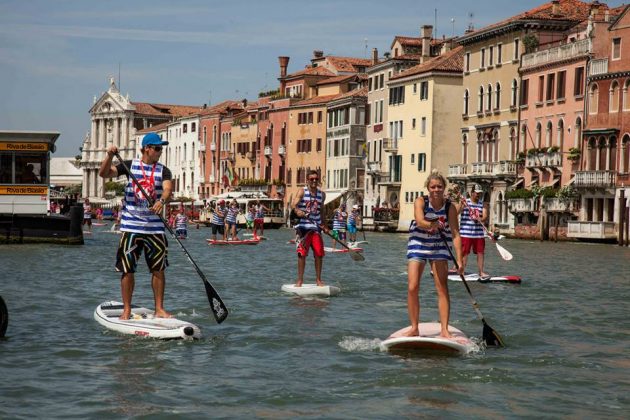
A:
(313, 179)
(156, 148)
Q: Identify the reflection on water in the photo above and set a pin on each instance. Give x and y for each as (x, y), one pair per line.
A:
(283, 356)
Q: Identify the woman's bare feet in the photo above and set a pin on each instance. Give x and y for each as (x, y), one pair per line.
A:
(320, 283)
(413, 332)
(125, 314)
(298, 283)
(446, 334)
(161, 313)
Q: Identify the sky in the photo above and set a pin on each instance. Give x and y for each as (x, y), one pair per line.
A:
(56, 56)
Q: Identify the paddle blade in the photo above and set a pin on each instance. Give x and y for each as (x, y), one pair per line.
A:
(505, 254)
(219, 310)
(357, 256)
(491, 337)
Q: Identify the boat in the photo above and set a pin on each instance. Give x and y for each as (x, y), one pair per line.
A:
(274, 219)
(25, 192)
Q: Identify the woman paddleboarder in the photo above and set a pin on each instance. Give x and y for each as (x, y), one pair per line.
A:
(431, 215)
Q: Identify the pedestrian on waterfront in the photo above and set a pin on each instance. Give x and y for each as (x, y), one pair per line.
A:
(218, 220)
(473, 213)
(259, 219)
(432, 214)
(353, 217)
(230, 219)
(307, 205)
(87, 214)
(141, 224)
(339, 224)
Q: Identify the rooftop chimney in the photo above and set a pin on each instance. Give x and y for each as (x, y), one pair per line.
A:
(595, 9)
(284, 63)
(555, 8)
(374, 56)
(426, 32)
(318, 54)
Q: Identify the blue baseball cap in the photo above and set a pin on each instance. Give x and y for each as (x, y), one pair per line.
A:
(152, 139)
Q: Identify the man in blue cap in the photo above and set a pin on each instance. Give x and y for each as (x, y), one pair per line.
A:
(142, 227)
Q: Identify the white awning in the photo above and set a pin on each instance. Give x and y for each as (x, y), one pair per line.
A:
(332, 196)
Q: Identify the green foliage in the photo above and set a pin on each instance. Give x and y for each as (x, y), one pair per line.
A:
(553, 149)
(567, 194)
(116, 187)
(277, 182)
(574, 154)
(519, 193)
(530, 41)
(272, 92)
(252, 181)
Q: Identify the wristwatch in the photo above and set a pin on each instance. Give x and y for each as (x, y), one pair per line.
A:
(161, 200)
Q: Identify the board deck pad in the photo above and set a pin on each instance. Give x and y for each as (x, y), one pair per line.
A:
(429, 340)
(311, 289)
(143, 323)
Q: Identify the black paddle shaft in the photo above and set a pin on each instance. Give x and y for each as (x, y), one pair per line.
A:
(219, 309)
(490, 336)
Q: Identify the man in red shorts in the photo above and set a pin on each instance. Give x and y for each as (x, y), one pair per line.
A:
(307, 206)
(473, 213)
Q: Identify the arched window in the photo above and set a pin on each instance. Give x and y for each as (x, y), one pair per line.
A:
(494, 149)
(538, 135)
(489, 103)
(626, 95)
(577, 140)
(465, 149)
(593, 99)
(514, 97)
(204, 135)
(548, 134)
(480, 104)
(513, 143)
(611, 161)
(614, 97)
(466, 99)
(624, 162)
(523, 141)
(560, 135)
(497, 94)
(480, 143)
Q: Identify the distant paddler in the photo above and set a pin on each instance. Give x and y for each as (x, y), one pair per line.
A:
(259, 219)
(181, 223)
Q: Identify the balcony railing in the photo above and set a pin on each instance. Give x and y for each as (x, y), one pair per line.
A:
(202, 147)
(543, 159)
(282, 150)
(458, 170)
(503, 167)
(213, 146)
(251, 156)
(521, 205)
(591, 230)
(595, 179)
(268, 151)
(599, 66)
(555, 205)
(562, 52)
(191, 164)
(390, 145)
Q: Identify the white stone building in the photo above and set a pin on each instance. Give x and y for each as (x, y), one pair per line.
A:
(115, 120)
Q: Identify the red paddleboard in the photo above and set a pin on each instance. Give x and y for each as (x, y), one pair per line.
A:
(342, 250)
(453, 276)
(237, 242)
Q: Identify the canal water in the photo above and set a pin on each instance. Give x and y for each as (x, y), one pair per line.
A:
(276, 356)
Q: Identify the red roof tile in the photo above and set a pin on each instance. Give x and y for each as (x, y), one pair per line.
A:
(571, 10)
(356, 92)
(317, 100)
(311, 71)
(348, 63)
(157, 127)
(452, 61)
(166, 110)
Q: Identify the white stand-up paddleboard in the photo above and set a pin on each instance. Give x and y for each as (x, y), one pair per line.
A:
(430, 340)
(341, 250)
(143, 323)
(311, 290)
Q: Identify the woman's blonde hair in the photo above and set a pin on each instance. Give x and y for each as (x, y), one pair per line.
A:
(435, 174)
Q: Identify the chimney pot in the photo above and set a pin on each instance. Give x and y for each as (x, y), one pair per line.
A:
(555, 7)
(284, 63)
(318, 53)
(374, 56)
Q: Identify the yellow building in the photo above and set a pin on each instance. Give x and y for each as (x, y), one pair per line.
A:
(423, 125)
